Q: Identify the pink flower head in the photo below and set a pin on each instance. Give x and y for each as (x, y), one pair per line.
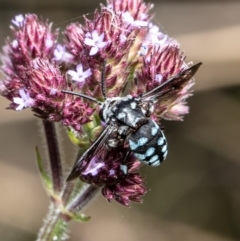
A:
(120, 47)
(105, 170)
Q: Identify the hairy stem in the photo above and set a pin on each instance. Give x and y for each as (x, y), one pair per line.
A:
(74, 195)
(56, 222)
(54, 227)
(54, 155)
(83, 198)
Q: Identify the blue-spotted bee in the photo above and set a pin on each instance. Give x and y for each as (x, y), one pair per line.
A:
(128, 122)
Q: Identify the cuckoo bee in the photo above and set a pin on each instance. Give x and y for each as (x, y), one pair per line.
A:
(128, 121)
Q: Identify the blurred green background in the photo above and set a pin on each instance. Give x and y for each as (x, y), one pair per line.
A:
(195, 194)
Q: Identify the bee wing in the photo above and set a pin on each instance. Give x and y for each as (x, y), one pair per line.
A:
(172, 85)
(96, 147)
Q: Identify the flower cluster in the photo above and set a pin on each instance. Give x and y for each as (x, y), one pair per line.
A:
(137, 57)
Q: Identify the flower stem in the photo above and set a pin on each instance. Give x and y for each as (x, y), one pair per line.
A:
(54, 155)
(56, 223)
(54, 227)
(83, 198)
(72, 198)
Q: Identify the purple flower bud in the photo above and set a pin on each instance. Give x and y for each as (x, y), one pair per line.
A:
(129, 189)
(105, 170)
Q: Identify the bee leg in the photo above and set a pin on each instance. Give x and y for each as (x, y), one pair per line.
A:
(123, 166)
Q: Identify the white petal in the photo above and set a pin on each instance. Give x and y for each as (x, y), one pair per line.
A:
(127, 17)
(158, 77)
(93, 51)
(102, 44)
(57, 55)
(88, 73)
(72, 73)
(153, 29)
(88, 35)
(89, 42)
(79, 69)
(17, 100)
(21, 106)
(123, 38)
(20, 103)
(139, 23)
(95, 35)
(101, 37)
(14, 43)
(67, 57)
(49, 43)
(29, 102)
(18, 20)
(23, 94)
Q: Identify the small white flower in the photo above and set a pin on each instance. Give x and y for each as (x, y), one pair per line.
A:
(123, 38)
(53, 91)
(96, 41)
(154, 36)
(24, 101)
(128, 18)
(112, 172)
(60, 54)
(14, 43)
(49, 43)
(79, 75)
(158, 78)
(110, 6)
(143, 50)
(18, 20)
(153, 29)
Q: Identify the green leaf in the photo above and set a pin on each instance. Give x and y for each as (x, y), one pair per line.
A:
(73, 138)
(44, 175)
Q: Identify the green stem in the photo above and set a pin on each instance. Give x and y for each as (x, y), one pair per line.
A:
(58, 217)
(71, 198)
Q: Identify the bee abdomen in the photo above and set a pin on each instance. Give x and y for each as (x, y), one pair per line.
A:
(149, 144)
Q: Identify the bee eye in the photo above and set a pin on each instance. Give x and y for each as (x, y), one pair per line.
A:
(101, 114)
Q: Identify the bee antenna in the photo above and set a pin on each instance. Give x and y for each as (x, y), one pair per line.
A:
(103, 79)
(82, 95)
